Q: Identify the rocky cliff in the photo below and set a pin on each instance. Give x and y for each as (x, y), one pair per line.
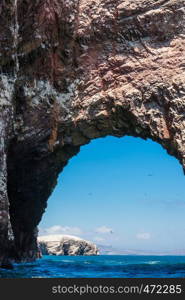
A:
(72, 71)
(66, 245)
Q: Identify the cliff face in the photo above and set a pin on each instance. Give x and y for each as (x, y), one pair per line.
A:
(72, 71)
(66, 245)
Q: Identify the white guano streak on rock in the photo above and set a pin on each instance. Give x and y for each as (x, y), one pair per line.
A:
(43, 90)
(15, 32)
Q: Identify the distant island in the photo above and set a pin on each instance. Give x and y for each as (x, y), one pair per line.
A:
(74, 246)
(109, 250)
(66, 245)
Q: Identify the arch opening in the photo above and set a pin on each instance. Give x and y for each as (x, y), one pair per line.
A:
(121, 194)
(34, 165)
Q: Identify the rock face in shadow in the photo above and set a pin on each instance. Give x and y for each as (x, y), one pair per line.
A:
(66, 245)
(72, 71)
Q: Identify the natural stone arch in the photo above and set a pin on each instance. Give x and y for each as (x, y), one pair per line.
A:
(108, 68)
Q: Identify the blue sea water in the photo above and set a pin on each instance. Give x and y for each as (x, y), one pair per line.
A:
(103, 266)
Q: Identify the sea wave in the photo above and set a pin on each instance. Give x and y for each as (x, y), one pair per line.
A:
(100, 267)
(153, 262)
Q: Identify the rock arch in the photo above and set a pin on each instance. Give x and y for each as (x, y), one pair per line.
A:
(72, 71)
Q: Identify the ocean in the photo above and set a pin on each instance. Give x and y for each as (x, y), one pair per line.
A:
(103, 266)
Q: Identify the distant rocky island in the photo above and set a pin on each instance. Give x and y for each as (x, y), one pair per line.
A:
(66, 245)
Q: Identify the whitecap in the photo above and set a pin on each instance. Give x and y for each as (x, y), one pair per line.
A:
(153, 262)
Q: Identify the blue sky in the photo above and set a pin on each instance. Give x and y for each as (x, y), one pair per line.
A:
(124, 192)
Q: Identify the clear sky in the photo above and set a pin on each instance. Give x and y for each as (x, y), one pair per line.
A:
(124, 192)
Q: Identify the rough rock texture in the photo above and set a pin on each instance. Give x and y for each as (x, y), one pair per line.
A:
(66, 245)
(72, 71)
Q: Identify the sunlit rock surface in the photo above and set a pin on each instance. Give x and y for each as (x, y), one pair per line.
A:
(66, 245)
(72, 71)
